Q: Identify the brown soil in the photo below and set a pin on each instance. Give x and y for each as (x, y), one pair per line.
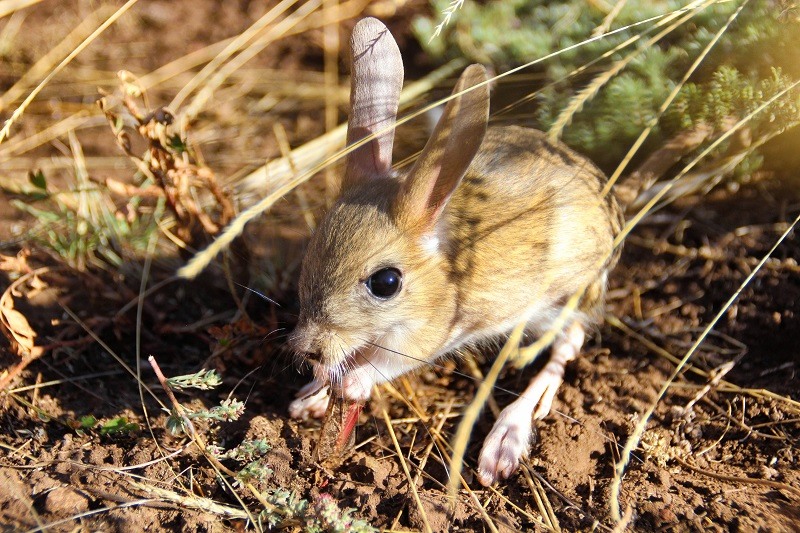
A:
(720, 458)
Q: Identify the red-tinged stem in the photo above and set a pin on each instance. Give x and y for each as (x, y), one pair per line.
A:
(349, 425)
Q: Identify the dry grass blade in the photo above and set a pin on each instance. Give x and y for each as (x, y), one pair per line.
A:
(635, 437)
(193, 501)
(784, 487)
(77, 517)
(4, 133)
(542, 502)
(716, 377)
(622, 525)
(51, 58)
(183, 64)
(461, 439)
(591, 90)
(10, 6)
(637, 184)
(403, 464)
(60, 382)
(151, 245)
(650, 345)
(331, 81)
(443, 445)
(56, 163)
(609, 19)
(710, 175)
(231, 47)
(437, 431)
(586, 66)
(9, 32)
(274, 33)
(670, 98)
(667, 186)
(62, 127)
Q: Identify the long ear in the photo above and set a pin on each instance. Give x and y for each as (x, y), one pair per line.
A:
(448, 153)
(377, 78)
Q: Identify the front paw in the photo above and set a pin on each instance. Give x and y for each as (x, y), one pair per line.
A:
(357, 385)
(312, 402)
(507, 443)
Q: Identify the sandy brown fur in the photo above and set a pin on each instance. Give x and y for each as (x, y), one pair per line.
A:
(490, 227)
(503, 244)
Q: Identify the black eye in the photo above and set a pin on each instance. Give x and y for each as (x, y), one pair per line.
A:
(384, 283)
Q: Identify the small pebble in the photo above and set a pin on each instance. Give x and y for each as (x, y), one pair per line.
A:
(65, 498)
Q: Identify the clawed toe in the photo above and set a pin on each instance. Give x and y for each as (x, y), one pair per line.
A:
(505, 445)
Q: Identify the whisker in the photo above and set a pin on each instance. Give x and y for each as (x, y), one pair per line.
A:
(276, 337)
(440, 367)
(257, 293)
(242, 380)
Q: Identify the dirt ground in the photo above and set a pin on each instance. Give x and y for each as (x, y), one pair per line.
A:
(720, 452)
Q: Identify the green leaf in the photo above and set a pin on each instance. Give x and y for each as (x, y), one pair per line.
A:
(118, 426)
(38, 180)
(87, 422)
(177, 144)
(203, 380)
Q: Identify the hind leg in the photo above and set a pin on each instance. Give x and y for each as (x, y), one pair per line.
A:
(510, 437)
